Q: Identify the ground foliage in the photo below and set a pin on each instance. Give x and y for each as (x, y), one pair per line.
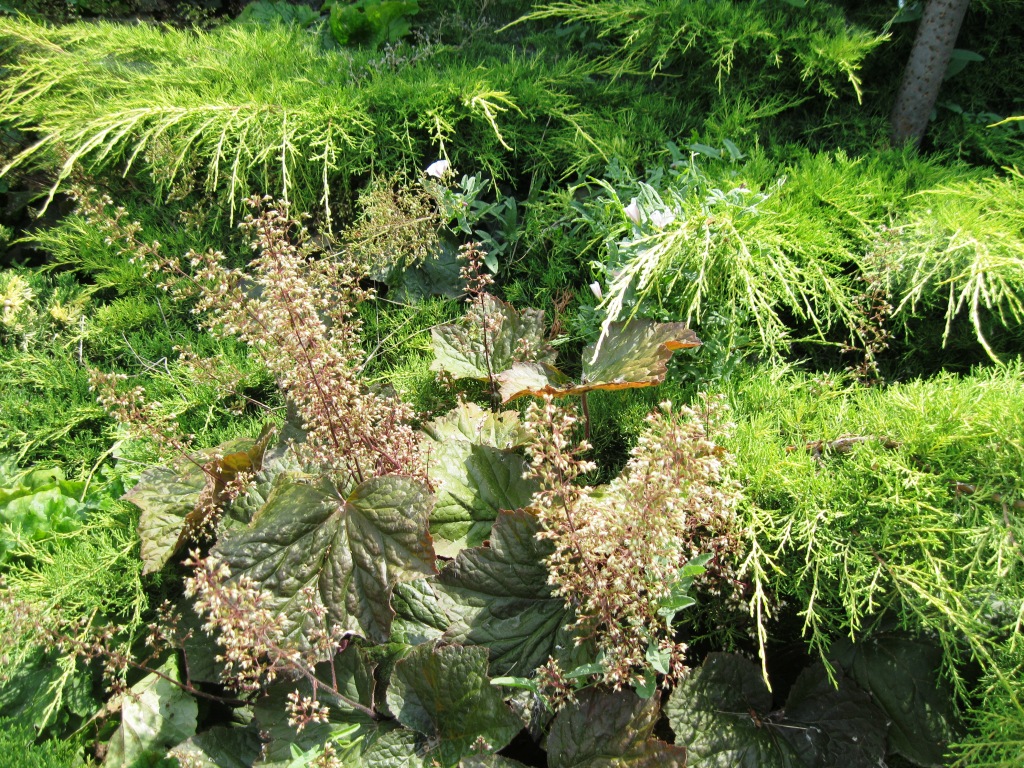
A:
(586, 424)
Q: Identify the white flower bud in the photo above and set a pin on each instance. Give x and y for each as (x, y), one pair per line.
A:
(437, 169)
(632, 211)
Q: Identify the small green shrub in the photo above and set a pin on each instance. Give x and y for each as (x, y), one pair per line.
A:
(871, 505)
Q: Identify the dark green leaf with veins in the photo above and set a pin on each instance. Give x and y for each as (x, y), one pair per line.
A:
(348, 554)
(718, 713)
(634, 354)
(221, 747)
(462, 349)
(830, 726)
(445, 694)
(497, 597)
(610, 730)
(903, 674)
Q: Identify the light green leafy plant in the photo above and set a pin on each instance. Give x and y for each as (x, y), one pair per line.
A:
(814, 42)
(370, 23)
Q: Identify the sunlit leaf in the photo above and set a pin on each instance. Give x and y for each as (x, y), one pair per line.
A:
(463, 349)
(633, 354)
(155, 716)
(468, 422)
(474, 474)
(344, 553)
(610, 729)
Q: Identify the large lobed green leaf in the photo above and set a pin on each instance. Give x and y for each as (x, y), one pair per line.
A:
(633, 354)
(496, 597)
(220, 747)
(349, 553)
(475, 474)
(445, 694)
(462, 350)
(470, 423)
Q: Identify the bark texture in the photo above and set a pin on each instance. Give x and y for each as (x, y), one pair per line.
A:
(922, 78)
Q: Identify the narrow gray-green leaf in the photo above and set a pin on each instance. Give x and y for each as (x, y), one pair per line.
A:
(445, 694)
(348, 554)
(610, 730)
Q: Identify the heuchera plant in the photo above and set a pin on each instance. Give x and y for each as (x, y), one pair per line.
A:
(317, 601)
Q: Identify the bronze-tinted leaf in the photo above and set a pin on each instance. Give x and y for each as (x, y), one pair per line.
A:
(634, 354)
(177, 500)
(610, 729)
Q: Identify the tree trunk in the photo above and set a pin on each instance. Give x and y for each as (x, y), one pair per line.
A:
(922, 79)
